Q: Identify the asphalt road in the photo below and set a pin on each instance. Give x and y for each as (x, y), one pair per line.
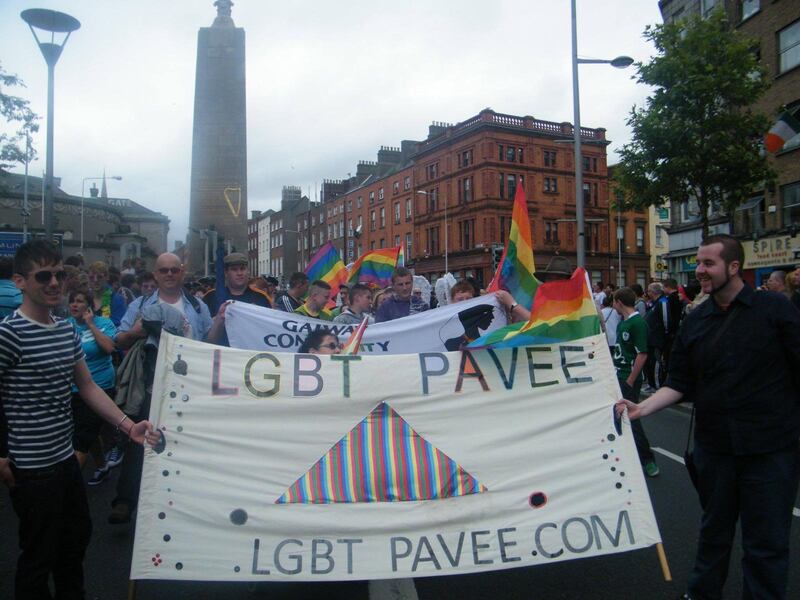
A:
(632, 575)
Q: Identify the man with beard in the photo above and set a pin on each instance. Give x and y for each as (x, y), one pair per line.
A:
(736, 357)
(400, 303)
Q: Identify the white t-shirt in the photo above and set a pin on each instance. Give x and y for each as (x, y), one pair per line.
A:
(611, 318)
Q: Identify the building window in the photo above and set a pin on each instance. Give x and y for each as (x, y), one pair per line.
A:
(396, 213)
(433, 199)
(551, 232)
(641, 278)
(408, 209)
(396, 187)
(371, 198)
(409, 247)
(359, 202)
(502, 185)
(790, 197)
(372, 245)
(500, 154)
(592, 237)
(467, 232)
(465, 190)
(707, 7)
(383, 217)
(407, 183)
(640, 238)
(749, 8)
(372, 220)
(659, 237)
(551, 185)
(433, 240)
(511, 184)
(752, 215)
(505, 228)
(380, 194)
(396, 241)
(383, 242)
(549, 158)
(789, 47)
(432, 171)
(349, 206)
(465, 158)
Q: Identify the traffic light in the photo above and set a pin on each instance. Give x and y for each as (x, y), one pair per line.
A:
(497, 255)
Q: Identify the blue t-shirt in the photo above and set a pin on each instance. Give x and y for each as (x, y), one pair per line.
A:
(10, 298)
(99, 363)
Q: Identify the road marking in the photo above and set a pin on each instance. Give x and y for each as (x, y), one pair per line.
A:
(676, 458)
(668, 454)
(392, 589)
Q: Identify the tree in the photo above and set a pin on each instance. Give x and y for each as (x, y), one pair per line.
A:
(697, 137)
(18, 122)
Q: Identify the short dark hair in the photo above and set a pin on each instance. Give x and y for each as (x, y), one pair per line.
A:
(127, 280)
(297, 279)
(74, 261)
(314, 339)
(318, 283)
(39, 252)
(732, 249)
(401, 272)
(625, 296)
(637, 289)
(356, 289)
(145, 276)
(670, 283)
(6, 267)
(462, 286)
(81, 291)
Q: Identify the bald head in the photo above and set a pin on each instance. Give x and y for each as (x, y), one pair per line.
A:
(169, 273)
(777, 281)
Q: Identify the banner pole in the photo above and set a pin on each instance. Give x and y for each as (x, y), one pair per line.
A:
(131, 589)
(662, 559)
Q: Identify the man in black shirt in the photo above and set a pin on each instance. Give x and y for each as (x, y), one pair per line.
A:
(237, 277)
(736, 357)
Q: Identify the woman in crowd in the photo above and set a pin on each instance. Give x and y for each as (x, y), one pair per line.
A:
(320, 341)
(97, 340)
(106, 302)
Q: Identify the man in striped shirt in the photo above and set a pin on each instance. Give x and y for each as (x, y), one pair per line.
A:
(40, 357)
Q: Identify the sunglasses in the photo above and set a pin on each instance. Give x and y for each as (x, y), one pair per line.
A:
(172, 270)
(45, 277)
(330, 346)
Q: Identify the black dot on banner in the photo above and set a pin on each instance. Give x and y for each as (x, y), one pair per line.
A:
(162, 515)
(237, 568)
(591, 354)
(179, 566)
(169, 489)
(613, 468)
(179, 413)
(177, 472)
(185, 397)
(618, 486)
(165, 473)
(605, 456)
(167, 537)
(622, 473)
(180, 428)
(169, 453)
(534, 553)
(537, 499)
(611, 437)
(172, 394)
(239, 516)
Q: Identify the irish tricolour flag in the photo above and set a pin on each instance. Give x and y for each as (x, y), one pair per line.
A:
(782, 131)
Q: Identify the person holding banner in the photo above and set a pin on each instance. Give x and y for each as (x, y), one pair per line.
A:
(400, 302)
(359, 302)
(292, 299)
(736, 357)
(40, 358)
(319, 294)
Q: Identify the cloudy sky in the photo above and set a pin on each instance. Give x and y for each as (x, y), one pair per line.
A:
(328, 82)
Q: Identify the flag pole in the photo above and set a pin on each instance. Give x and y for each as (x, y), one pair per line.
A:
(662, 559)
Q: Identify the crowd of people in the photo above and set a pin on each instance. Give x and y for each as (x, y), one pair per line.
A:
(70, 330)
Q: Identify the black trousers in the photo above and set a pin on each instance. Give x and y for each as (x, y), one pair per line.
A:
(639, 436)
(759, 491)
(130, 477)
(54, 530)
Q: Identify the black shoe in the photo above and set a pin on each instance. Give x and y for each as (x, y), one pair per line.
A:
(120, 514)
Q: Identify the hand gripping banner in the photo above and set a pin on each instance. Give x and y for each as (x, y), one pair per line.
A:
(277, 466)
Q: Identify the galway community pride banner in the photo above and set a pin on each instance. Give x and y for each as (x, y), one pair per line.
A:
(294, 467)
(446, 328)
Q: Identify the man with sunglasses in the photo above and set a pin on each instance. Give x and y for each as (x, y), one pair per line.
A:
(40, 358)
(169, 274)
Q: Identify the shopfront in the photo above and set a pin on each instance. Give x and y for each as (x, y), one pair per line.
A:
(765, 255)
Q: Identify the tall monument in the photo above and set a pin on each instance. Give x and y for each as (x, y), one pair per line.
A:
(219, 139)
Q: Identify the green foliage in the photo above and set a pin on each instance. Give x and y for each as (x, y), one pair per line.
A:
(697, 136)
(17, 121)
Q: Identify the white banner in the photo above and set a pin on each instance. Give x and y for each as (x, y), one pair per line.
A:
(298, 467)
(438, 330)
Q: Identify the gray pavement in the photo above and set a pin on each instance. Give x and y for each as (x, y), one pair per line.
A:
(633, 575)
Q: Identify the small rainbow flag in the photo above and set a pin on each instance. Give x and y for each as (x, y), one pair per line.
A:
(562, 311)
(375, 267)
(354, 342)
(327, 266)
(516, 268)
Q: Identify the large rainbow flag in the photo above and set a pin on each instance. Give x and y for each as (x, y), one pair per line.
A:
(327, 265)
(375, 267)
(516, 268)
(562, 311)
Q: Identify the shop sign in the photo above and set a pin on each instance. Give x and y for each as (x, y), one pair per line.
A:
(771, 252)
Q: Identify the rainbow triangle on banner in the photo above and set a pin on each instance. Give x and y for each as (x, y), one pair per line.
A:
(382, 459)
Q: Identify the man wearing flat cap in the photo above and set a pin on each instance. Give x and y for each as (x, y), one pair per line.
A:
(237, 277)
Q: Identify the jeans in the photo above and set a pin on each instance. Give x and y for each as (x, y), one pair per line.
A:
(759, 490)
(54, 530)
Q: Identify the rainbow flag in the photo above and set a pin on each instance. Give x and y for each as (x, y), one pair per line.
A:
(516, 268)
(401, 256)
(562, 311)
(375, 267)
(354, 342)
(327, 266)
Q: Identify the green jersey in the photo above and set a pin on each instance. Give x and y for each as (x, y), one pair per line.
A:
(323, 314)
(631, 340)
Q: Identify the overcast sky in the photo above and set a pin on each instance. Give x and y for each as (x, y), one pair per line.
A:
(328, 82)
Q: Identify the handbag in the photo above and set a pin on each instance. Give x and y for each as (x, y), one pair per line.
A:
(688, 455)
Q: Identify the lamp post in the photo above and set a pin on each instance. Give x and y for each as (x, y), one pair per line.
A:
(620, 63)
(52, 22)
(424, 193)
(83, 184)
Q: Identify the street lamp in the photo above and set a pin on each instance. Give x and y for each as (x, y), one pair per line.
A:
(52, 22)
(424, 193)
(83, 183)
(620, 63)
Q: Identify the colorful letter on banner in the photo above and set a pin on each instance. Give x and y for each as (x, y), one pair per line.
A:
(303, 467)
